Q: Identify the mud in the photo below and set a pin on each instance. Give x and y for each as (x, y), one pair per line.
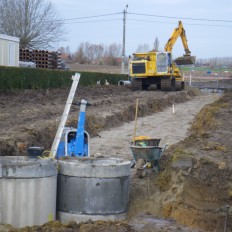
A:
(193, 188)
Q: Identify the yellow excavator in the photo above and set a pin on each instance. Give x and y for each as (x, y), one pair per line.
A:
(158, 68)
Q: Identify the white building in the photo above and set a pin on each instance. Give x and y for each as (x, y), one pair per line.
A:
(9, 50)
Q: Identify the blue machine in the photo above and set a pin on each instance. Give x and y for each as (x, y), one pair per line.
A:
(75, 142)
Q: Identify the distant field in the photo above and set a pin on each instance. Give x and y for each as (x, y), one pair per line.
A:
(198, 71)
(206, 68)
(95, 68)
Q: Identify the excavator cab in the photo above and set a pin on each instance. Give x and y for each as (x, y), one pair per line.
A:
(163, 62)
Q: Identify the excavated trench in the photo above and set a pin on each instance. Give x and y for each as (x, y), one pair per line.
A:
(195, 185)
(107, 111)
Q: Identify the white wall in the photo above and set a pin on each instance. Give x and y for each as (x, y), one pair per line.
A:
(9, 50)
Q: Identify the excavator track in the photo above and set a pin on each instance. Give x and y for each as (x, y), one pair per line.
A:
(136, 84)
(178, 85)
(166, 85)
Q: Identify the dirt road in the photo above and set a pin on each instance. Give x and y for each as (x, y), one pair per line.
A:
(171, 128)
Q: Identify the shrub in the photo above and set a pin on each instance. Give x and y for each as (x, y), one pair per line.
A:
(31, 78)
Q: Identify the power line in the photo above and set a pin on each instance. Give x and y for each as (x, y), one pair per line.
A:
(144, 20)
(149, 15)
(88, 17)
(174, 17)
(192, 24)
(96, 21)
(151, 21)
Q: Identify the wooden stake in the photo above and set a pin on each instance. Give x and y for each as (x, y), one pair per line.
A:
(136, 116)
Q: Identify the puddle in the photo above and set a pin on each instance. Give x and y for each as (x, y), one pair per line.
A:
(211, 90)
(150, 223)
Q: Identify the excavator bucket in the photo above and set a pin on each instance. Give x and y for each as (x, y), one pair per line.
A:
(185, 60)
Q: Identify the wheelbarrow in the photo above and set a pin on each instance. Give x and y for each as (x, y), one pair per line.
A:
(146, 141)
(145, 156)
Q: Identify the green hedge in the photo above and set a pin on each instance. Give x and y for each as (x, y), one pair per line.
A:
(33, 78)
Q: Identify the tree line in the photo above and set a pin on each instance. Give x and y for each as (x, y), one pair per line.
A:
(87, 52)
(215, 62)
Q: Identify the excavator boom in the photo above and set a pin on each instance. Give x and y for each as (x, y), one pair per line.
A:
(186, 59)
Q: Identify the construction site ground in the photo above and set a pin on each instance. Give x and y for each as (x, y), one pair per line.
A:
(194, 185)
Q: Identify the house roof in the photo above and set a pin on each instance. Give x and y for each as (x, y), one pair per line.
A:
(10, 38)
(64, 56)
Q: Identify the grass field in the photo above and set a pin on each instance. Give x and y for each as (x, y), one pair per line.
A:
(205, 69)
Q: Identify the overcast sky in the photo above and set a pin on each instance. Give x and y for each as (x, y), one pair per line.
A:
(206, 38)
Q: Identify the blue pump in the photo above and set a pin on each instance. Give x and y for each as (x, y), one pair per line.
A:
(75, 142)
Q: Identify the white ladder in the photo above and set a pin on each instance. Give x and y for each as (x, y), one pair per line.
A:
(64, 117)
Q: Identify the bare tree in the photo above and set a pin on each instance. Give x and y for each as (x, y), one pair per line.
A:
(213, 62)
(94, 52)
(79, 55)
(61, 50)
(112, 53)
(156, 44)
(82, 53)
(97, 53)
(67, 50)
(143, 48)
(113, 50)
(33, 21)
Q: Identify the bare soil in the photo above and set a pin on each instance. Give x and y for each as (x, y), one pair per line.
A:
(191, 191)
(31, 117)
(95, 68)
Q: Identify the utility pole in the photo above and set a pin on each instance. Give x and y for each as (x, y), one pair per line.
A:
(124, 41)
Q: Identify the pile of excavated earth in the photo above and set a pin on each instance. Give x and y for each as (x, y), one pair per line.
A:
(193, 189)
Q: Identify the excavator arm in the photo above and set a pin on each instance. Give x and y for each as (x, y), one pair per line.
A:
(180, 32)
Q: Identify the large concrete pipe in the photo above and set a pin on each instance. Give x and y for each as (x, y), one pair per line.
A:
(27, 190)
(90, 188)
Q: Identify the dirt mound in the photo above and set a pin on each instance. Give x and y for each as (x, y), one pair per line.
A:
(89, 226)
(199, 182)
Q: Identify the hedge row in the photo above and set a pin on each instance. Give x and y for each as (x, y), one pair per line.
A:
(33, 78)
